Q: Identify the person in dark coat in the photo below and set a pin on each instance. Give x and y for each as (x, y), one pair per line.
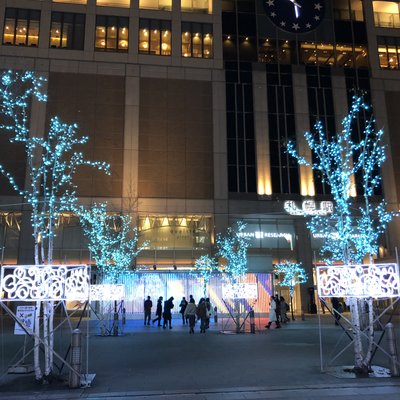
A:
(158, 311)
(183, 304)
(147, 310)
(336, 309)
(278, 309)
(168, 306)
(202, 314)
(208, 305)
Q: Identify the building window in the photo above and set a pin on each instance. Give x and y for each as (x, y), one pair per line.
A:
(389, 52)
(346, 10)
(71, 1)
(340, 55)
(386, 14)
(114, 3)
(242, 171)
(275, 51)
(197, 40)
(156, 4)
(111, 33)
(282, 129)
(155, 37)
(204, 6)
(67, 31)
(320, 109)
(21, 27)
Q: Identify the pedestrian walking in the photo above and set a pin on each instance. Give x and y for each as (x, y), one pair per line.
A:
(208, 305)
(272, 313)
(336, 309)
(148, 304)
(202, 314)
(190, 314)
(278, 308)
(168, 306)
(183, 304)
(158, 311)
(284, 310)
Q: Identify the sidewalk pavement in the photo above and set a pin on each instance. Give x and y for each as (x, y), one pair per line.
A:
(148, 362)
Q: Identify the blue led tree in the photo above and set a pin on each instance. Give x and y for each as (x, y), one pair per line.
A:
(206, 267)
(52, 161)
(113, 241)
(292, 274)
(233, 248)
(351, 232)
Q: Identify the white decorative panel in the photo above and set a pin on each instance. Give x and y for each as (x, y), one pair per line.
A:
(45, 282)
(372, 280)
(107, 292)
(240, 291)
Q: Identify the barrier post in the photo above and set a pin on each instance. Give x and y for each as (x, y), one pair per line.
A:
(76, 359)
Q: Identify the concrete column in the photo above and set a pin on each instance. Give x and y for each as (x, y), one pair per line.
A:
(304, 253)
(264, 186)
(220, 152)
(131, 138)
(382, 106)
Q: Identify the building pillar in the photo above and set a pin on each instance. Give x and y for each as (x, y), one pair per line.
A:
(264, 185)
(131, 142)
(304, 253)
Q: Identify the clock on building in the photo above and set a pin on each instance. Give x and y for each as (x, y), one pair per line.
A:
(296, 16)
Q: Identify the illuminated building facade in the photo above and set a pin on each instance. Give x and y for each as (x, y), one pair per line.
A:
(192, 103)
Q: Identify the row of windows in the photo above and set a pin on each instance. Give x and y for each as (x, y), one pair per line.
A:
(389, 52)
(342, 9)
(67, 31)
(203, 6)
(273, 51)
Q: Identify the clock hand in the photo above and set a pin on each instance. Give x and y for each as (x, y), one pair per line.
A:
(297, 6)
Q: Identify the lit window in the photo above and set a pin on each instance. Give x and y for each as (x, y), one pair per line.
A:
(386, 14)
(114, 3)
(203, 6)
(156, 4)
(67, 30)
(112, 33)
(348, 10)
(21, 27)
(197, 40)
(155, 37)
(71, 1)
(341, 55)
(389, 52)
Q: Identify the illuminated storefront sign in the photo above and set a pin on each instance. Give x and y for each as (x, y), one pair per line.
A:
(371, 280)
(45, 282)
(240, 291)
(269, 235)
(107, 292)
(308, 207)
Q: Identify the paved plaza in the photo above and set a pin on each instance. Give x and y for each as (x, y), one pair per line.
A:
(148, 362)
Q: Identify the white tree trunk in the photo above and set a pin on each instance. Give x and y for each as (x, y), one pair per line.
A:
(368, 356)
(46, 338)
(36, 349)
(355, 321)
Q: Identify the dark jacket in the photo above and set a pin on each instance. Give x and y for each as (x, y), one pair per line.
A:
(168, 306)
(159, 308)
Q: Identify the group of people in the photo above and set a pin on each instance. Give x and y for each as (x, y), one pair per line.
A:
(278, 309)
(189, 310)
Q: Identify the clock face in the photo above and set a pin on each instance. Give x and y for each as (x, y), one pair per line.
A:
(296, 16)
